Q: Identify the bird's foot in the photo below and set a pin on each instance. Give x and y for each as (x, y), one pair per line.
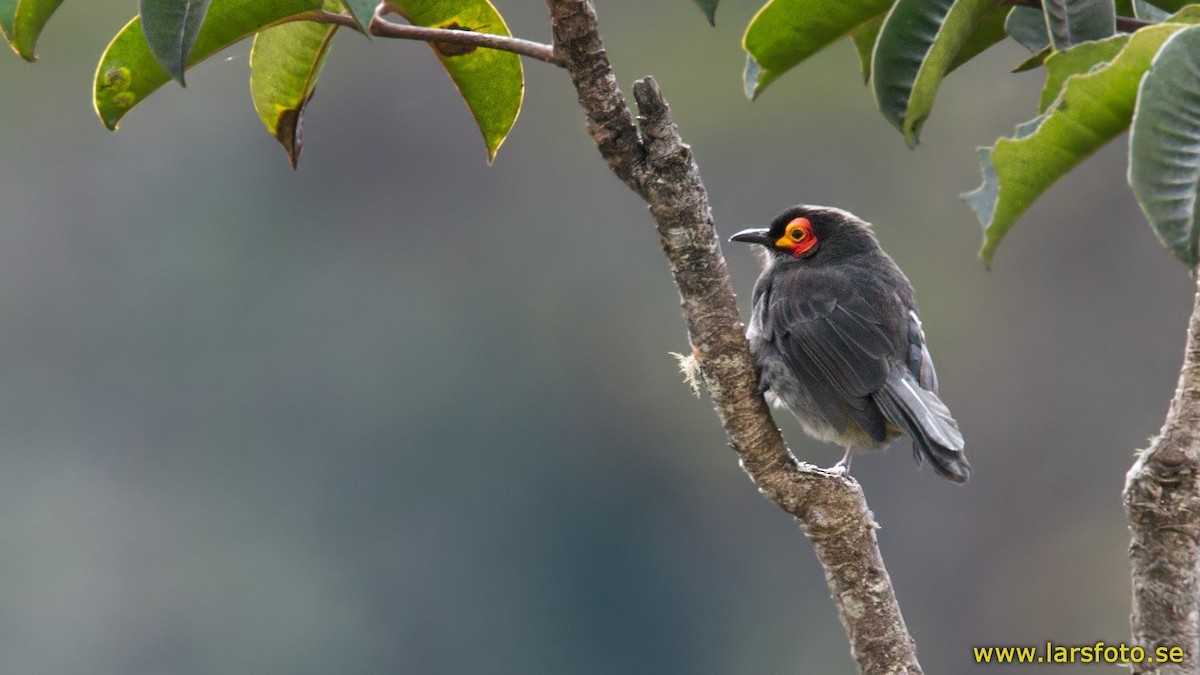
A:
(842, 468)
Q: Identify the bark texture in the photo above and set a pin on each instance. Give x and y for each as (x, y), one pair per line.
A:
(651, 158)
(1162, 500)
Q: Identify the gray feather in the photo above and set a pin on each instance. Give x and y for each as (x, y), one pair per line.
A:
(927, 421)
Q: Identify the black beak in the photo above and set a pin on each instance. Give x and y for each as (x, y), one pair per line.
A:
(754, 235)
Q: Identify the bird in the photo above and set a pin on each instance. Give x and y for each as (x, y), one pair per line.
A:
(835, 333)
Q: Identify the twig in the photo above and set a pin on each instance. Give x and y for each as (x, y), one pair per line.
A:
(652, 159)
(381, 27)
(1162, 501)
(1129, 24)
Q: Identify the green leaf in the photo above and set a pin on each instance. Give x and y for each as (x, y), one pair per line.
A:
(171, 27)
(285, 63)
(362, 11)
(1086, 56)
(1092, 108)
(22, 21)
(917, 44)
(128, 71)
(1078, 59)
(709, 7)
(8, 10)
(1027, 26)
(492, 82)
(1164, 145)
(1035, 61)
(1148, 12)
(785, 32)
(989, 31)
(864, 43)
(1073, 21)
(1171, 5)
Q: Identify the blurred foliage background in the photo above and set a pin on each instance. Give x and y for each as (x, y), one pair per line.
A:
(402, 412)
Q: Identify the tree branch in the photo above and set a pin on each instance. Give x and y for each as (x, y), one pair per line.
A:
(381, 27)
(578, 46)
(652, 159)
(1162, 501)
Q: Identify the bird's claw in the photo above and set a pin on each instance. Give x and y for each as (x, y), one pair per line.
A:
(842, 468)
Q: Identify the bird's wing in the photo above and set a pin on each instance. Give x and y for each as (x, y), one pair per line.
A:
(920, 363)
(910, 400)
(834, 339)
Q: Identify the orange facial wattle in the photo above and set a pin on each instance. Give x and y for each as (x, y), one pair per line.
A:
(798, 237)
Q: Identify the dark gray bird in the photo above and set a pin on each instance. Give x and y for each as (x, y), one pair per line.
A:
(838, 341)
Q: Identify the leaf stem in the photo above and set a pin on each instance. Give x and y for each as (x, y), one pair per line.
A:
(1129, 24)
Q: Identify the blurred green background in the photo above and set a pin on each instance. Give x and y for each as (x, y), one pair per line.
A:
(402, 412)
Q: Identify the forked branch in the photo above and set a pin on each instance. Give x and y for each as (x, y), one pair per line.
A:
(651, 158)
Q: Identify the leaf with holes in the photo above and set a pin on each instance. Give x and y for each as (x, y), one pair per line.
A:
(1070, 22)
(285, 63)
(22, 21)
(128, 71)
(1164, 145)
(785, 32)
(917, 44)
(1092, 108)
(492, 82)
(171, 27)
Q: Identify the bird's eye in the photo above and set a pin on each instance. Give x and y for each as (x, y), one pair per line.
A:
(798, 234)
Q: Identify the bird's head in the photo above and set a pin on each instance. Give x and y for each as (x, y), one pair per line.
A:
(806, 232)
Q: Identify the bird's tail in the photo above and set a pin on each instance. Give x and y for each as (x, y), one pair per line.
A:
(923, 416)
